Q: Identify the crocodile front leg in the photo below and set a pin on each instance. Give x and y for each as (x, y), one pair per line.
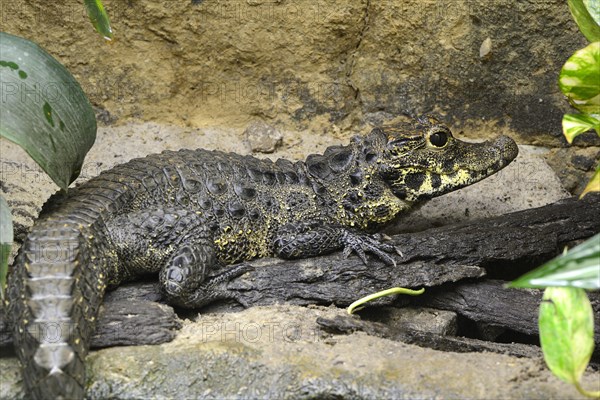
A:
(180, 283)
(313, 238)
(175, 244)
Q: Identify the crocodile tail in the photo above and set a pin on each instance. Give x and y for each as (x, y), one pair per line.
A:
(53, 304)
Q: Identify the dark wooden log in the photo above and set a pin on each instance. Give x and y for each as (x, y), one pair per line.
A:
(129, 316)
(490, 302)
(505, 244)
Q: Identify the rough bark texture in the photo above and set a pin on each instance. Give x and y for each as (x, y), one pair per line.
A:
(490, 302)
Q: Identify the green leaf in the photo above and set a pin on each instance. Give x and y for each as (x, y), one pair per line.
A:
(576, 124)
(579, 79)
(594, 183)
(43, 109)
(6, 239)
(593, 7)
(579, 267)
(566, 323)
(388, 292)
(99, 18)
(585, 14)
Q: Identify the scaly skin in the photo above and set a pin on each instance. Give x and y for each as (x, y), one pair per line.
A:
(187, 215)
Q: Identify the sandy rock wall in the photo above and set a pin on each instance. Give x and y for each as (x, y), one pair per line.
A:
(327, 66)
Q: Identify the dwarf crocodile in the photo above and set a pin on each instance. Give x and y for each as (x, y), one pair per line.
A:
(190, 216)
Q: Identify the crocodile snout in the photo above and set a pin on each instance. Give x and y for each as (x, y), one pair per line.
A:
(507, 147)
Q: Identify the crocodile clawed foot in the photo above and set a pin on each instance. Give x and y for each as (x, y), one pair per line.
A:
(215, 287)
(362, 243)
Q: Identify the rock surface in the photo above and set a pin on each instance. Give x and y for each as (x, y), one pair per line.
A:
(334, 69)
(321, 65)
(280, 352)
(262, 138)
(574, 166)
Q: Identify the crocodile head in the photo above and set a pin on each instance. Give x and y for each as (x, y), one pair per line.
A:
(422, 159)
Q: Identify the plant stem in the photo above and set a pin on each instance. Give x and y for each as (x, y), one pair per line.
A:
(397, 290)
(592, 394)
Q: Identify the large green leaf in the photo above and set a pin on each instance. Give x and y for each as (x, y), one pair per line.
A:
(566, 323)
(43, 109)
(579, 79)
(579, 267)
(585, 14)
(6, 239)
(99, 18)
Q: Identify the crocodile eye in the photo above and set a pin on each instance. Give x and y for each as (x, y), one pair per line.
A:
(438, 139)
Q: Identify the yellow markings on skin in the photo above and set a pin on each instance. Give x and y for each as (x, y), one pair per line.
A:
(462, 177)
(365, 213)
(426, 186)
(241, 244)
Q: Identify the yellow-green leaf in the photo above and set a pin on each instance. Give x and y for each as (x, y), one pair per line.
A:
(99, 18)
(579, 267)
(566, 324)
(579, 79)
(576, 124)
(593, 185)
(585, 14)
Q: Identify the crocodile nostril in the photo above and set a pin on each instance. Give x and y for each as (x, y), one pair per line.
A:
(508, 148)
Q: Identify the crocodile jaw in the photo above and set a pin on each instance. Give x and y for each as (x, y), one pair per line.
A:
(434, 173)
